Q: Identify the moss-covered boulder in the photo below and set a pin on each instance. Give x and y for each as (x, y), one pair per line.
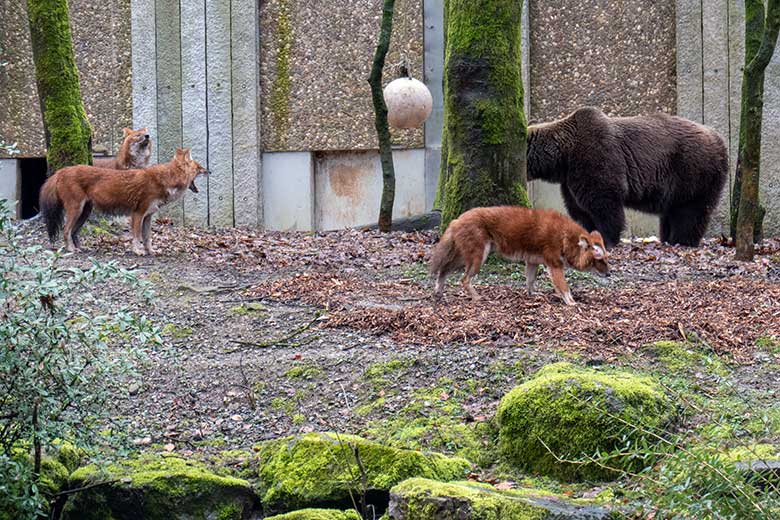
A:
(421, 499)
(760, 463)
(54, 476)
(69, 455)
(322, 470)
(317, 514)
(573, 413)
(162, 489)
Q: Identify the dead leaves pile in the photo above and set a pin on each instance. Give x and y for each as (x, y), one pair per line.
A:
(729, 314)
(664, 292)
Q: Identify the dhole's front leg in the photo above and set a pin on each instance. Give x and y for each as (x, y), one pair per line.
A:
(561, 287)
(136, 228)
(146, 231)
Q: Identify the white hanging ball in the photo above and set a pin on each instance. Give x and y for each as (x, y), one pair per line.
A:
(409, 103)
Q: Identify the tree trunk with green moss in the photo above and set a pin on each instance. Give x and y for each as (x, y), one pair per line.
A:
(754, 30)
(67, 130)
(380, 119)
(484, 137)
(760, 39)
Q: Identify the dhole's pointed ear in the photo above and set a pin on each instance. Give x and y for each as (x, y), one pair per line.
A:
(584, 242)
(143, 130)
(127, 131)
(186, 154)
(598, 252)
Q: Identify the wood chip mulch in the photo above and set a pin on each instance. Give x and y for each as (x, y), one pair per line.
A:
(728, 313)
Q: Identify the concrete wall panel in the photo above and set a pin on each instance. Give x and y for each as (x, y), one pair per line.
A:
(348, 187)
(218, 74)
(169, 89)
(247, 200)
(288, 188)
(144, 62)
(193, 98)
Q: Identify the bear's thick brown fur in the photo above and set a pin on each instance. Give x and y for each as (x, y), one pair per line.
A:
(658, 164)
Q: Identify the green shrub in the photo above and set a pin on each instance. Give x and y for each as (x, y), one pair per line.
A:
(60, 359)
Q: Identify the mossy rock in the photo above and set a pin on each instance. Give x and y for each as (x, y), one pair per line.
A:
(162, 489)
(70, 456)
(54, 476)
(421, 499)
(574, 413)
(317, 514)
(321, 470)
(760, 463)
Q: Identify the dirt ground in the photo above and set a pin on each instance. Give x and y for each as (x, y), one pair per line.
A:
(268, 334)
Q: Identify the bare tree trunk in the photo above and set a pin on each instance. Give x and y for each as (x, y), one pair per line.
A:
(484, 137)
(67, 130)
(749, 159)
(380, 119)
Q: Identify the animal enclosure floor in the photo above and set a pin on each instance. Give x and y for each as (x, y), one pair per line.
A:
(268, 334)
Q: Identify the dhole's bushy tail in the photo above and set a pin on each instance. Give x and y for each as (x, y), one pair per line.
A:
(51, 208)
(445, 257)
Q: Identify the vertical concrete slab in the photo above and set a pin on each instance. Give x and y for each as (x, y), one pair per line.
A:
(715, 65)
(10, 184)
(193, 100)
(169, 88)
(689, 59)
(716, 80)
(144, 63)
(348, 187)
(770, 148)
(288, 191)
(736, 64)
(433, 69)
(245, 44)
(220, 139)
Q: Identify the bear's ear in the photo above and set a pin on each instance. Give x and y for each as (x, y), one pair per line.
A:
(127, 131)
(584, 243)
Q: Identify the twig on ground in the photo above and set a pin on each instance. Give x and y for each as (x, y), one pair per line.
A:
(283, 341)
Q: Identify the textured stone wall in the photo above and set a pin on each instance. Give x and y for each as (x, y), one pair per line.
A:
(101, 38)
(619, 56)
(315, 62)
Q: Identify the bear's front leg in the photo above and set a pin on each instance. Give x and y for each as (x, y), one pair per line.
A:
(603, 202)
(575, 211)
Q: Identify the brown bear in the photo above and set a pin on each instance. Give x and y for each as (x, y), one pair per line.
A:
(658, 164)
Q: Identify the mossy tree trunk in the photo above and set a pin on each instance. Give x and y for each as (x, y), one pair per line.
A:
(760, 39)
(67, 130)
(484, 137)
(380, 119)
(754, 30)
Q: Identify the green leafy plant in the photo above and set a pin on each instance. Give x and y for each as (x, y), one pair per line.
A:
(61, 358)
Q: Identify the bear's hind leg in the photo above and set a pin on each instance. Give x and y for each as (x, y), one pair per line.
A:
(686, 225)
